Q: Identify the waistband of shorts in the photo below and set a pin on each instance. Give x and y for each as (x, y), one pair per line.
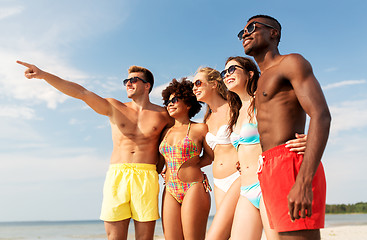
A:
(275, 151)
(140, 166)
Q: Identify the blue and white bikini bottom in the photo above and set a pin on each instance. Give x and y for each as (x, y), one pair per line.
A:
(252, 193)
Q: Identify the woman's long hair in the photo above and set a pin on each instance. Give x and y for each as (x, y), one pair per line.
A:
(232, 98)
(251, 86)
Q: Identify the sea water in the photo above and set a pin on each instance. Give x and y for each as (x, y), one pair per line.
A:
(94, 230)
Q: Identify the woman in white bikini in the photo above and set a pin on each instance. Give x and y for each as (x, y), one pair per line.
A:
(209, 88)
(222, 113)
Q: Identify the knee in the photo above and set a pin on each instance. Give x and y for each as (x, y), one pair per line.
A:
(115, 235)
(144, 237)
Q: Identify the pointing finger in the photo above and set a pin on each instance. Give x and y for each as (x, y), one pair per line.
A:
(24, 64)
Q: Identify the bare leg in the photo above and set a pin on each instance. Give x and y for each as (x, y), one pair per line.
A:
(171, 218)
(194, 212)
(271, 234)
(223, 219)
(301, 235)
(144, 230)
(247, 221)
(117, 230)
(218, 196)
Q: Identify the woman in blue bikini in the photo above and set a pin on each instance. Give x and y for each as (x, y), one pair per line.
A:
(240, 76)
(222, 113)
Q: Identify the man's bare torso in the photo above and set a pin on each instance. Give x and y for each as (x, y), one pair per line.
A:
(279, 113)
(136, 133)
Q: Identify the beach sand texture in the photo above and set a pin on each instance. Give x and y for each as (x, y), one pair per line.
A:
(356, 232)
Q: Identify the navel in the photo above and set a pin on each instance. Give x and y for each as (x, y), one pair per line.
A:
(265, 94)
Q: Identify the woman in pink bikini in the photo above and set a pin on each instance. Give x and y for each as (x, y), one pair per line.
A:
(186, 199)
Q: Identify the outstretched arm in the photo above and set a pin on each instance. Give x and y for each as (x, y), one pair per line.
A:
(97, 103)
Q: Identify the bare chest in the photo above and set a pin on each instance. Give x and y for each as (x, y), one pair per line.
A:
(137, 125)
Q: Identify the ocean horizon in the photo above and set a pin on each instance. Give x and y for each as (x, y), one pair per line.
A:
(94, 229)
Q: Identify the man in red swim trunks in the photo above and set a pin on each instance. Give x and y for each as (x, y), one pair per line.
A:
(293, 186)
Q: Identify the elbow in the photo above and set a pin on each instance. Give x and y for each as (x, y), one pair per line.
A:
(325, 118)
(82, 94)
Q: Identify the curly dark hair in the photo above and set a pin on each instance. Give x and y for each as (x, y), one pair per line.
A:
(183, 90)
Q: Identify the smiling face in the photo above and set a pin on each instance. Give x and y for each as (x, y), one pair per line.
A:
(138, 88)
(265, 32)
(202, 88)
(176, 107)
(236, 81)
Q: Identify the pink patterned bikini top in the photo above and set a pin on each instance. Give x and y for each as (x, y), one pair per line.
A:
(179, 153)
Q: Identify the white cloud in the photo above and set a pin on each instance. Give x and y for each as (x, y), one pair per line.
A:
(46, 41)
(10, 11)
(348, 115)
(15, 129)
(69, 164)
(344, 83)
(157, 91)
(17, 112)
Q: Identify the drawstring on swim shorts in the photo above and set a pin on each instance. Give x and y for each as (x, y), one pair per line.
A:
(261, 164)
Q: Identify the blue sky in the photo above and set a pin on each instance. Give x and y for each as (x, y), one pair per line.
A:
(54, 150)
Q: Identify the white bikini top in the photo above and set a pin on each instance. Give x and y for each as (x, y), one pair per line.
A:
(222, 137)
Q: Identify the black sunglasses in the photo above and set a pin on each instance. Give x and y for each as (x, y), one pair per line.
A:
(173, 101)
(251, 28)
(133, 80)
(229, 70)
(198, 83)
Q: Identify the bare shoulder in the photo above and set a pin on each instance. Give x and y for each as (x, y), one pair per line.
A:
(158, 108)
(116, 103)
(295, 65)
(200, 127)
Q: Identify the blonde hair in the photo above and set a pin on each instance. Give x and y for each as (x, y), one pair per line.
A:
(232, 98)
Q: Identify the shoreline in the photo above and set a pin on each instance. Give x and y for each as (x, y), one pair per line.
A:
(337, 227)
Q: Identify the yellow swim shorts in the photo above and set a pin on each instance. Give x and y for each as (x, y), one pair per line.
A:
(130, 191)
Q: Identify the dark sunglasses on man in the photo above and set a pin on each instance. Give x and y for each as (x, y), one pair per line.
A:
(133, 80)
(251, 28)
(229, 70)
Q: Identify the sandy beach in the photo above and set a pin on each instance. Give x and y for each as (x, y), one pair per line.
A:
(356, 232)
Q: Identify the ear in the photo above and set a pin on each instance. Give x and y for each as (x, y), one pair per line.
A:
(214, 84)
(251, 74)
(147, 86)
(274, 33)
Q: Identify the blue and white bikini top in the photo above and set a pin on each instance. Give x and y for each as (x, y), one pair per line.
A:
(222, 137)
(248, 135)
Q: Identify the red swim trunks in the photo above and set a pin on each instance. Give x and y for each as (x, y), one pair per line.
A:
(277, 174)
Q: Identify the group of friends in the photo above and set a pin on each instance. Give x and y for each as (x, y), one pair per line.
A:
(267, 174)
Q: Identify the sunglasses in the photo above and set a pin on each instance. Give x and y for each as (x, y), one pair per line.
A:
(173, 101)
(251, 28)
(133, 80)
(198, 83)
(229, 70)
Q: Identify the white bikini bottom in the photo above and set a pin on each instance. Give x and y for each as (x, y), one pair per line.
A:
(225, 183)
